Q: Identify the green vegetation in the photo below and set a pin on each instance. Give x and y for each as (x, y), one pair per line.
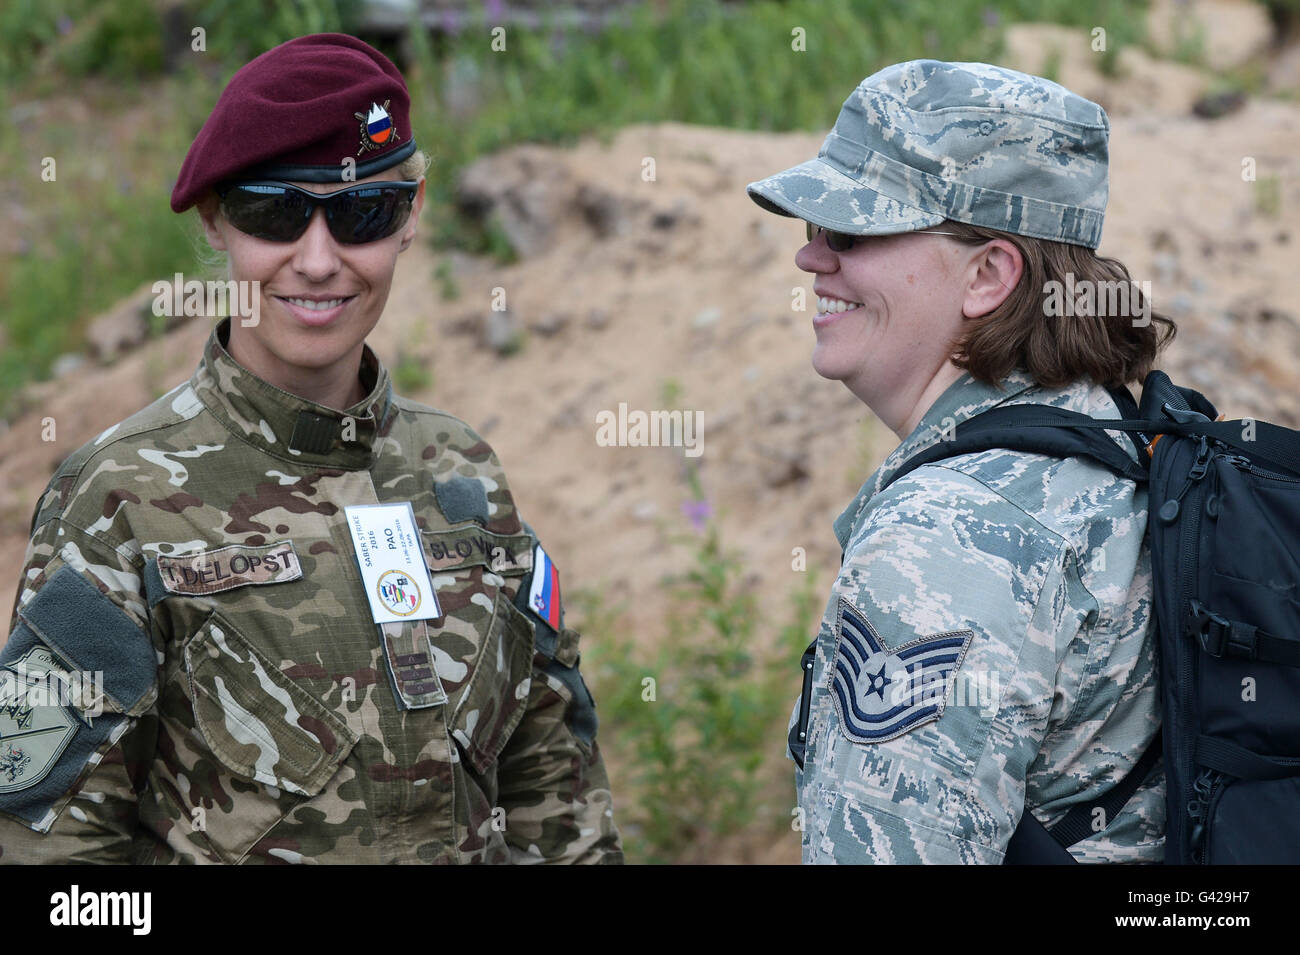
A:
(445, 276)
(104, 225)
(692, 721)
(413, 375)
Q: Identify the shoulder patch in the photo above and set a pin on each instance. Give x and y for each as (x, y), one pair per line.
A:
(881, 693)
(544, 593)
(33, 732)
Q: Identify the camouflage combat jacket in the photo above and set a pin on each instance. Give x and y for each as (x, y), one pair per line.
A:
(195, 561)
(987, 647)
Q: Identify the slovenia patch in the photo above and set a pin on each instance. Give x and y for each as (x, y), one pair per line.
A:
(882, 693)
(544, 595)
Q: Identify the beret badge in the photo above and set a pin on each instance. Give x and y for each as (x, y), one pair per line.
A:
(377, 128)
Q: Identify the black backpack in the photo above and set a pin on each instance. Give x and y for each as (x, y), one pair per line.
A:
(1224, 532)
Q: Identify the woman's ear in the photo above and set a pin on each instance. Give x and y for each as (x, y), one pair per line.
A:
(995, 273)
(209, 209)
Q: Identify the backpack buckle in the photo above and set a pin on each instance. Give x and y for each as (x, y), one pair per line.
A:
(1220, 637)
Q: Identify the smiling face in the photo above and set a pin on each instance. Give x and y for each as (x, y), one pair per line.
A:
(319, 299)
(890, 311)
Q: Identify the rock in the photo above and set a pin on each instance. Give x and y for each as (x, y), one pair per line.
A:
(1230, 33)
(1214, 105)
(1284, 69)
(501, 332)
(781, 467)
(552, 324)
(604, 212)
(1268, 314)
(679, 213)
(598, 318)
(66, 364)
(467, 323)
(707, 318)
(527, 191)
(121, 328)
(1165, 266)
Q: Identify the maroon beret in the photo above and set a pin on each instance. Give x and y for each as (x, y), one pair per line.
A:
(297, 112)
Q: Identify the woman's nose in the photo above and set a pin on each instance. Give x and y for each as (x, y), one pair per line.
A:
(816, 256)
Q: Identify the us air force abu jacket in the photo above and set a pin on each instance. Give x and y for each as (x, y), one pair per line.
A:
(985, 651)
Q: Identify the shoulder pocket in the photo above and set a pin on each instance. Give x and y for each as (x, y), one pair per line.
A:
(489, 705)
(256, 721)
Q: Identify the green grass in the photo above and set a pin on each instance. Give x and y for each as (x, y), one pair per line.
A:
(698, 62)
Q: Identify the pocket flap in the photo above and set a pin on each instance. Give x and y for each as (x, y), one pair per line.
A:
(487, 709)
(257, 721)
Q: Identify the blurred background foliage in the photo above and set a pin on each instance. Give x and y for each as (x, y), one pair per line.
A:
(115, 92)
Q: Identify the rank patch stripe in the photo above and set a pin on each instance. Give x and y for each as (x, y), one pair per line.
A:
(922, 670)
(909, 652)
(861, 633)
(897, 728)
(876, 717)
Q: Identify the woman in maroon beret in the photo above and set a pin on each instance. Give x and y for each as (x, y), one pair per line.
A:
(284, 614)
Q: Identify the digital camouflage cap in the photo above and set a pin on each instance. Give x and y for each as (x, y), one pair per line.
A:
(924, 141)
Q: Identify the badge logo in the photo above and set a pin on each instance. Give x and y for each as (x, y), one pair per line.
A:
(399, 593)
(32, 737)
(881, 693)
(377, 129)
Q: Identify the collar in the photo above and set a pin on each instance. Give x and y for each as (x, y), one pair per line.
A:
(963, 399)
(287, 426)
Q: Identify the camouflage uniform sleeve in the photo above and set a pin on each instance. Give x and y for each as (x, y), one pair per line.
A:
(553, 783)
(936, 671)
(79, 674)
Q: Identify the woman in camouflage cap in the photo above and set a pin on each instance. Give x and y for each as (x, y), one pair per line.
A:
(987, 650)
(270, 674)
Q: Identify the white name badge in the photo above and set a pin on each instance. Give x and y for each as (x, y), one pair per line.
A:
(386, 542)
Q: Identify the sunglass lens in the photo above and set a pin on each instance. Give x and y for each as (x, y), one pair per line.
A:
(365, 215)
(267, 211)
(835, 241)
(840, 241)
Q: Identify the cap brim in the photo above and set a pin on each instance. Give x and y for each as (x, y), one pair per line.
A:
(819, 193)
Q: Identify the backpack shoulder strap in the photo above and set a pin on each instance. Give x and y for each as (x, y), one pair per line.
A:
(1034, 844)
(1039, 429)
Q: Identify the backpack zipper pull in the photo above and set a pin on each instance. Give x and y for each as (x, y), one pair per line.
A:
(1169, 509)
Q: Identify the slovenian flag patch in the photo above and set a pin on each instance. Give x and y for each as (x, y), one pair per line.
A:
(544, 595)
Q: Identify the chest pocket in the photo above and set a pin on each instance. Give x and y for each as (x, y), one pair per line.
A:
(482, 646)
(258, 725)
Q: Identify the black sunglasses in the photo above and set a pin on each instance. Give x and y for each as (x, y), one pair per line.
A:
(279, 212)
(843, 241)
